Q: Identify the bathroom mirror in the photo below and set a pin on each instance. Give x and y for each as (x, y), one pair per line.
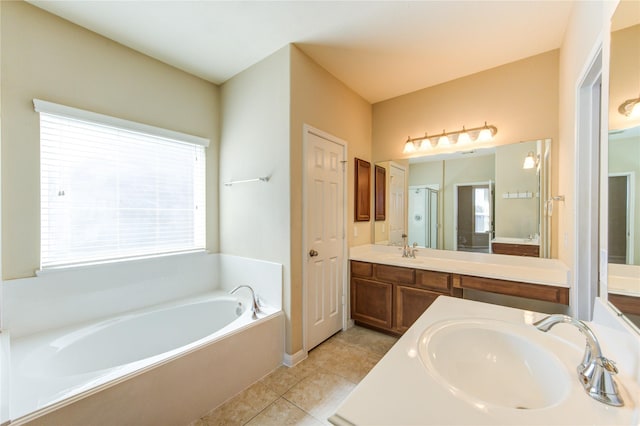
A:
(472, 200)
(623, 201)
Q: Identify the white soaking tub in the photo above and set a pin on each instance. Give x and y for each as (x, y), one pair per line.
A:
(163, 365)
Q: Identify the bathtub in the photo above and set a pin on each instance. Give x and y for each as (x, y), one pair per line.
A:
(167, 364)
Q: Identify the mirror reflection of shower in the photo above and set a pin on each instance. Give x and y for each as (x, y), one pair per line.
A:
(423, 215)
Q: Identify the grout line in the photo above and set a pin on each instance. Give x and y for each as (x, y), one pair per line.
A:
(259, 412)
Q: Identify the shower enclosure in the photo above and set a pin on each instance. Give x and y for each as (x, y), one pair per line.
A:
(423, 215)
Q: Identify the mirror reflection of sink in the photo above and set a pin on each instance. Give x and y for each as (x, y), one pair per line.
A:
(490, 362)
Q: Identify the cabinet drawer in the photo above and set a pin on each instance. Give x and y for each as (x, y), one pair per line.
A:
(516, 249)
(361, 269)
(513, 288)
(439, 281)
(395, 274)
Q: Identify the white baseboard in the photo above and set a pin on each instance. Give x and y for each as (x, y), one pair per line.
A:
(291, 360)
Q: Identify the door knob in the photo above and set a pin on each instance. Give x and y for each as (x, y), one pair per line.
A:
(313, 253)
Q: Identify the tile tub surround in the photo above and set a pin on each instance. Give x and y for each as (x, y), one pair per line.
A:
(400, 390)
(503, 267)
(308, 393)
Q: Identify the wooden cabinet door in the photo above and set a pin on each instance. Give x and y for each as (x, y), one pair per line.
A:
(371, 303)
(410, 304)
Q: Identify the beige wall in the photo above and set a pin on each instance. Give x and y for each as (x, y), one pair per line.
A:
(520, 98)
(321, 101)
(255, 217)
(264, 110)
(624, 76)
(49, 58)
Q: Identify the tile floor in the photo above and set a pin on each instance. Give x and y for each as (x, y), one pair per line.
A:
(310, 392)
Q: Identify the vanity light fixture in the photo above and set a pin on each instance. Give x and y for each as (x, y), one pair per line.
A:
(409, 146)
(465, 136)
(530, 161)
(630, 108)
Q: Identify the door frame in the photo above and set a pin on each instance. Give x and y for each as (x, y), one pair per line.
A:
(306, 130)
(589, 262)
(631, 200)
(490, 183)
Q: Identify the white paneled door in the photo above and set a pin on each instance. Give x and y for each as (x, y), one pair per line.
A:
(397, 215)
(324, 237)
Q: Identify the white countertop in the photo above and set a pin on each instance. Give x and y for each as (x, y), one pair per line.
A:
(401, 391)
(623, 279)
(520, 241)
(532, 270)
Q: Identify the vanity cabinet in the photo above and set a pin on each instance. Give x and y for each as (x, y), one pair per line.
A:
(530, 250)
(410, 304)
(391, 298)
(372, 302)
(545, 293)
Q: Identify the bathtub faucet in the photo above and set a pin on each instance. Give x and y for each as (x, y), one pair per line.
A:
(255, 307)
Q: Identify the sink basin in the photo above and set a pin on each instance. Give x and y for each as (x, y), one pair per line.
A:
(496, 363)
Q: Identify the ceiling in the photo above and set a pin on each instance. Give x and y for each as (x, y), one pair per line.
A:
(380, 49)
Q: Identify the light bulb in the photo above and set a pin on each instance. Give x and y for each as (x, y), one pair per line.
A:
(485, 135)
(425, 144)
(443, 140)
(409, 147)
(464, 137)
(529, 161)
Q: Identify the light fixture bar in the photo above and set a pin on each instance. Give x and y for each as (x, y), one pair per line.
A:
(417, 143)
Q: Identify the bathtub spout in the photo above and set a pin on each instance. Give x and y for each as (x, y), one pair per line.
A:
(255, 307)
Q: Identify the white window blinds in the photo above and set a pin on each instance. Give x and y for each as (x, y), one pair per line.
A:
(110, 193)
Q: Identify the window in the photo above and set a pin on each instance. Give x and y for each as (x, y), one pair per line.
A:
(482, 210)
(113, 189)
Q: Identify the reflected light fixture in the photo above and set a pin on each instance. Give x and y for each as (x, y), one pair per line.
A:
(630, 108)
(465, 136)
(530, 161)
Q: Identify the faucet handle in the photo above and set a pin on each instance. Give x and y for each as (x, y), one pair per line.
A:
(599, 383)
(609, 365)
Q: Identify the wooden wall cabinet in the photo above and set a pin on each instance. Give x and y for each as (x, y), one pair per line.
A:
(362, 190)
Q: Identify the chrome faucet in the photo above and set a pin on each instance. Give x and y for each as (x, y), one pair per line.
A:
(407, 250)
(255, 306)
(595, 372)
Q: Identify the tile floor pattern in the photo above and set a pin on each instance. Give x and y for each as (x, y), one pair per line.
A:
(310, 392)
